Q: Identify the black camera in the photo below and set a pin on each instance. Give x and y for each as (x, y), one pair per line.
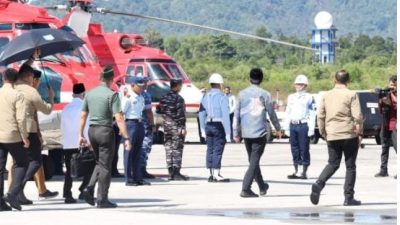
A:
(382, 92)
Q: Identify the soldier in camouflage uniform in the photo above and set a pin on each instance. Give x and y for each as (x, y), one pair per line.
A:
(172, 108)
(149, 128)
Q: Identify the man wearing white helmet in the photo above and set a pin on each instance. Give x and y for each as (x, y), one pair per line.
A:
(215, 126)
(300, 121)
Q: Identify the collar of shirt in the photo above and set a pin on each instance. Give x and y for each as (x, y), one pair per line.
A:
(104, 84)
(23, 82)
(300, 93)
(7, 85)
(340, 86)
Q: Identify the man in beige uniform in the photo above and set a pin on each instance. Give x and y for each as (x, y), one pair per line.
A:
(13, 139)
(34, 103)
(340, 123)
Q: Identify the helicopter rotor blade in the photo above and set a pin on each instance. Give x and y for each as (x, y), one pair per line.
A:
(106, 11)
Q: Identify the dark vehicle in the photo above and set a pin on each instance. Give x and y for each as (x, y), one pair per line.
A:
(369, 102)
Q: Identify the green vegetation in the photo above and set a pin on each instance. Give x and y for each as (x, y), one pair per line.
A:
(370, 60)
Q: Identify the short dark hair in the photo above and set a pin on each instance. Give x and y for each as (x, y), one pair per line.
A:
(342, 76)
(107, 74)
(175, 83)
(393, 78)
(10, 75)
(256, 76)
(228, 87)
(25, 70)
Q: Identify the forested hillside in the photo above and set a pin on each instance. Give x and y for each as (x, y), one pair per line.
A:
(290, 17)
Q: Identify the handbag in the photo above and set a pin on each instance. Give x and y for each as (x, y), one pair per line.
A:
(82, 162)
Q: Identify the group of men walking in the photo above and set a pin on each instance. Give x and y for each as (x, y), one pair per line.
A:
(339, 121)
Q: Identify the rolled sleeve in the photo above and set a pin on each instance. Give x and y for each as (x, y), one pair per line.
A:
(41, 105)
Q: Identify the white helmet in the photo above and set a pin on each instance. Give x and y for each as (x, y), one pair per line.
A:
(216, 78)
(301, 79)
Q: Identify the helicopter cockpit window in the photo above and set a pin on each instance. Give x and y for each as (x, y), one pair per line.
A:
(5, 26)
(174, 70)
(74, 55)
(3, 41)
(156, 72)
(50, 78)
(139, 70)
(30, 26)
(130, 71)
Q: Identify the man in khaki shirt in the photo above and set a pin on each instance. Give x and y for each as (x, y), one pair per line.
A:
(340, 123)
(34, 103)
(13, 139)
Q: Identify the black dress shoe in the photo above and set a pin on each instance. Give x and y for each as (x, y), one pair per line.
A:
(382, 174)
(248, 194)
(131, 183)
(106, 204)
(80, 197)
(22, 200)
(211, 179)
(48, 194)
(69, 200)
(4, 206)
(264, 189)
(315, 193)
(87, 195)
(351, 202)
(143, 182)
(303, 176)
(148, 175)
(293, 176)
(12, 201)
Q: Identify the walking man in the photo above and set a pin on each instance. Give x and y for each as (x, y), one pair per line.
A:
(172, 108)
(102, 104)
(70, 117)
(34, 104)
(232, 107)
(132, 107)
(250, 123)
(340, 123)
(13, 139)
(300, 119)
(388, 107)
(215, 126)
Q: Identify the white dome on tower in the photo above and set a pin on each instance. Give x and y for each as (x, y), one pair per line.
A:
(323, 20)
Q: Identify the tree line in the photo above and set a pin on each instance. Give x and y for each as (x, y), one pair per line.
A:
(370, 60)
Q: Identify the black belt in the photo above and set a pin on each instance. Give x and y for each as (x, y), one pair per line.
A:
(134, 120)
(298, 122)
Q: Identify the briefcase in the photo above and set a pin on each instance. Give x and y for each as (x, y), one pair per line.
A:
(82, 162)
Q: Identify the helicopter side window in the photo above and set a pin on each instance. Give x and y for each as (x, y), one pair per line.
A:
(139, 70)
(30, 26)
(3, 41)
(130, 71)
(5, 26)
(156, 72)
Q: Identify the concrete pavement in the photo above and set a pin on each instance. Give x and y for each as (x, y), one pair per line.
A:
(199, 202)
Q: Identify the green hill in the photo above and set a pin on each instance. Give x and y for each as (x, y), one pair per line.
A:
(290, 17)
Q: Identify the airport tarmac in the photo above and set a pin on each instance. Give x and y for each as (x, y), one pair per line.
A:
(198, 202)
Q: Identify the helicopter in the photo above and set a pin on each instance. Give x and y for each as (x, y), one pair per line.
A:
(130, 55)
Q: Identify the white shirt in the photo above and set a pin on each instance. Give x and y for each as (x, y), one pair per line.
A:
(301, 106)
(70, 119)
(232, 103)
(133, 106)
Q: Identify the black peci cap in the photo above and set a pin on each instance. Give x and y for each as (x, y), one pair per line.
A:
(37, 74)
(78, 88)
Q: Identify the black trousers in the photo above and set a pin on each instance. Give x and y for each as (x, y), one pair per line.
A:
(102, 139)
(388, 138)
(20, 157)
(67, 176)
(34, 156)
(118, 138)
(255, 149)
(348, 147)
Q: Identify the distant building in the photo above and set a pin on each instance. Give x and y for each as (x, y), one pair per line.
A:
(323, 38)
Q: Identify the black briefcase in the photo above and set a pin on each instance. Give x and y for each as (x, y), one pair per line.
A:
(82, 162)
